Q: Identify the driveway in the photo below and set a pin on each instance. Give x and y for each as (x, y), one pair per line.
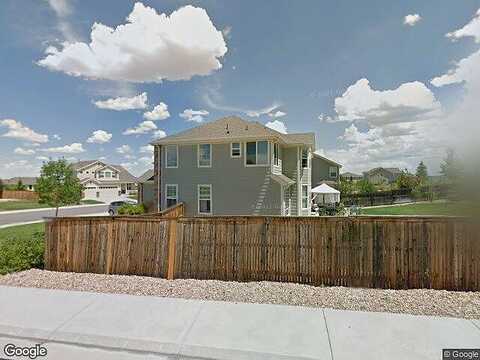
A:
(22, 216)
(81, 325)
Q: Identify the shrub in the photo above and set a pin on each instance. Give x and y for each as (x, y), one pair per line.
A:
(22, 253)
(130, 209)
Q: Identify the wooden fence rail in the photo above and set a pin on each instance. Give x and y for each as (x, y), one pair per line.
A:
(19, 194)
(380, 252)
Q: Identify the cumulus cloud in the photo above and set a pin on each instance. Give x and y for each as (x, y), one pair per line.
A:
(325, 118)
(142, 128)
(411, 19)
(74, 148)
(124, 149)
(150, 47)
(194, 115)
(409, 102)
(472, 29)
(277, 114)
(159, 112)
(124, 103)
(18, 164)
(56, 137)
(147, 149)
(159, 134)
(99, 137)
(16, 130)
(22, 151)
(42, 158)
(277, 125)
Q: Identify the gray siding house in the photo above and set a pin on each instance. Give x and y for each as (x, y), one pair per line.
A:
(234, 167)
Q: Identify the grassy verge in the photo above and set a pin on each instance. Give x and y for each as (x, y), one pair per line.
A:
(21, 247)
(20, 205)
(90, 202)
(446, 209)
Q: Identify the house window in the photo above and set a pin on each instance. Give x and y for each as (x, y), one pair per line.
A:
(100, 175)
(114, 175)
(275, 154)
(304, 197)
(171, 155)
(305, 158)
(98, 194)
(204, 155)
(257, 153)
(333, 172)
(205, 199)
(108, 174)
(172, 194)
(235, 150)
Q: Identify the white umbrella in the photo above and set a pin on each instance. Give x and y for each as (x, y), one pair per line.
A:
(325, 194)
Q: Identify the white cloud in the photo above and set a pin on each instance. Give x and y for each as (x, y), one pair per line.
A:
(56, 137)
(74, 148)
(99, 137)
(18, 164)
(411, 19)
(150, 47)
(124, 103)
(159, 112)
(472, 29)
(143, 128)
(227, 32)
(277, 114)
(409, 102)
(22, 151)
(277, 125)
(124, 149)
(62, 8)
(263, 111)
(147, 149)
(159, 134)
(42, 158)
(325, 118)
(194, 115)
(17, 130)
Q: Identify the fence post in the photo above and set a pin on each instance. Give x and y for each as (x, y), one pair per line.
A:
(172, 239)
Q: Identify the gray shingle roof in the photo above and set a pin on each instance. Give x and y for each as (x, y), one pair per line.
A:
(235, 128)
(25, 180)
(123, 174)
(147, 175)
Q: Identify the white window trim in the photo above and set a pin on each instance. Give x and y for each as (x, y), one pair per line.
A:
(256, 154)
(231, 150)
(166, 193)
(198, 199)
(308, 158)
(330, 172)
(198, 156)
(166, 157)
(277, 145)
(302, 197)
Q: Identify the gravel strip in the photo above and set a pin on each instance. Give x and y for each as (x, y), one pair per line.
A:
(418, 301)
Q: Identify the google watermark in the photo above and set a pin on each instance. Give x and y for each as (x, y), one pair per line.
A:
(32, 352)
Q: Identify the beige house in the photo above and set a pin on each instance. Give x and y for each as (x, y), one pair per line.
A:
(104, 182)
(382, 175)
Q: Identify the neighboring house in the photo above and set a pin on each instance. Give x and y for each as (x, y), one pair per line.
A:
(382, 175)
(349, 176)
(28, 182)
(324, 171)
(234, 167)
(146, 195)
(104, 182)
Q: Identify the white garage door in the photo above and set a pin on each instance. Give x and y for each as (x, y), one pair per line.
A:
(103, 194)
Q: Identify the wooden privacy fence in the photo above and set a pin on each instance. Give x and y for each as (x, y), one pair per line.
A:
(381, 252)
(19, 194)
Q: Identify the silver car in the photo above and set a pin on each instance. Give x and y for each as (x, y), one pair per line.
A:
(114, 206)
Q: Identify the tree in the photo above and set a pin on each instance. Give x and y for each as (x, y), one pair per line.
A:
(422, 172)
(451, 168)
(58, 185)
(366, 187)
(407, 181)
(20, 186)
(346, 188)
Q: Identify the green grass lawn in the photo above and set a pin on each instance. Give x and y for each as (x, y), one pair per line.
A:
(436, 208)
(20, 205)
(21, 247)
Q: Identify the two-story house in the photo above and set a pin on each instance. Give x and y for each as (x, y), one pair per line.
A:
(104, 182)
(382, 175)
(234, 167)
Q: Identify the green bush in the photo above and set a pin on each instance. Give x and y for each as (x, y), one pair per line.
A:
(22, 253)
(130, 209)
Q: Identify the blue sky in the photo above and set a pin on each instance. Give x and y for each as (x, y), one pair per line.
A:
(358, 74)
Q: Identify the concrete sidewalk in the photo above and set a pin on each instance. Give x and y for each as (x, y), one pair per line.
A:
(76, 325)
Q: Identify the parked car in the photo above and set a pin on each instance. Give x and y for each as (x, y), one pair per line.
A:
(114, 206)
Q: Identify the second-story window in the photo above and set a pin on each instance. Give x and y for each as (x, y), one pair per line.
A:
(257, 153)
(333, 172)
(171, 156)
(204, 155)
(276, 154)
(304, 158)
(235, 150)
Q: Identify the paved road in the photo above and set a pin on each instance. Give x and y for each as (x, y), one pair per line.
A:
(13, 217)
(76, 325)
